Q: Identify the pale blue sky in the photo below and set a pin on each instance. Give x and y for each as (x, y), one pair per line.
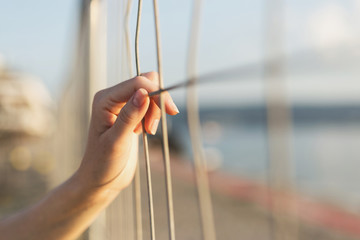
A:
(38, 37)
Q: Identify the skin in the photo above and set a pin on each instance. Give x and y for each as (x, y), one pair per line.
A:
(107, 167)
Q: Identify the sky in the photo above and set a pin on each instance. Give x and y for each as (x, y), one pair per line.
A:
(38, 37)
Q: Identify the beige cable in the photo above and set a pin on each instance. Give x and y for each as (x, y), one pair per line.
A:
(200, 168)
(165, 141)
(144, 134)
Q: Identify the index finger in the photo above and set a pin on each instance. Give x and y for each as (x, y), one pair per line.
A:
(122, 92)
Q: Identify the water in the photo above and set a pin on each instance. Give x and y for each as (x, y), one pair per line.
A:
(325, 148)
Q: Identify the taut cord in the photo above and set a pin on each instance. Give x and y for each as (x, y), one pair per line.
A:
(199, 165)
(165, 143)
(144, 134)
(137, 180)
(242, 72)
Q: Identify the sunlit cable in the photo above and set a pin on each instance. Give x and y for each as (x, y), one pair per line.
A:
(144, 135)
(165, 144)
(137, 179)
(200, 169)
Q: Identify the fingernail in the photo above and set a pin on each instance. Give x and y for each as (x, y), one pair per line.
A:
(139, 98)
(174, 107)
(154, 126)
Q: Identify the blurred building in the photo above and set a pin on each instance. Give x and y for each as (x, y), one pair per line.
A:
(26, 126)
(25, 105)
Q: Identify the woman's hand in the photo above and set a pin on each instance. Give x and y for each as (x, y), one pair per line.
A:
(107, 167)
(111, 154)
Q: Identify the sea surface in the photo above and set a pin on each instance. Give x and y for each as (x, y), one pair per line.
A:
(324, 148)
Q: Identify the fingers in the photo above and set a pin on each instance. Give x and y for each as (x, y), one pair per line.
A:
(132, 113)
(153, 115)
(169, 103)
(119, 101)
(152, 118)
(138, 128)
(120, 93)
(152, 76)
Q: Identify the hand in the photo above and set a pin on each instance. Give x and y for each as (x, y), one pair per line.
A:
(111, 154)
(108, 165)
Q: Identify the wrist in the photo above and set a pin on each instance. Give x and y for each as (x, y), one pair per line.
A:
(88, 193)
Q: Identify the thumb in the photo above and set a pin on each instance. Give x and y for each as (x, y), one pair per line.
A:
(133, 112)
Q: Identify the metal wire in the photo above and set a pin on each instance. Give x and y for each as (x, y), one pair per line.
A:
(165, 143)
(127, 36)
(236, 73)
(137, 179)
(97, 79)
(278, 125)
(149, 183)
(243, 72)
(200, 169)
(137, 190)
(144, 135)
(137, 59)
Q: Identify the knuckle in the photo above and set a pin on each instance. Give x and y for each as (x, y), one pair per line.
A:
(98, 97)
(139, 79)
(143, 82)
(146, 83)
(153, 75)
(139, 82)
(96, 101)
(125, 116)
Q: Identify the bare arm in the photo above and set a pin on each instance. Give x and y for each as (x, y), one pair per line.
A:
(108, 165)
(63, 214)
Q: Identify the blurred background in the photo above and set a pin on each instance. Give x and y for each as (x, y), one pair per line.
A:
(280, 129)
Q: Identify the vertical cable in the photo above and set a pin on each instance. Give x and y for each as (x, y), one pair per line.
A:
(144, 135)
(127, 36)
(165, 143)
(137, 180)
(97, 78)
(278, 126)
(138, 20)
(200, 169)
(137, 190)
(149, 183)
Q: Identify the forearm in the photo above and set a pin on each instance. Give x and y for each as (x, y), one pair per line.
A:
(63, 214)
(108, 166)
